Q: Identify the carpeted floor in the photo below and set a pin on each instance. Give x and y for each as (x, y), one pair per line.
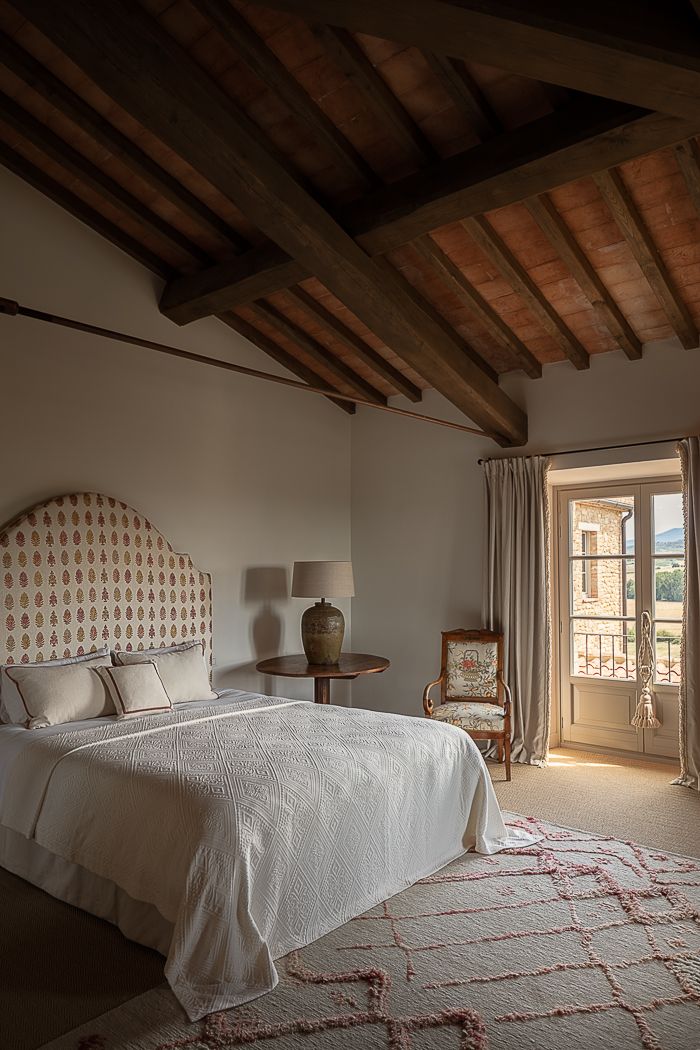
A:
(578, 940)
(60, 967)
(629, 798)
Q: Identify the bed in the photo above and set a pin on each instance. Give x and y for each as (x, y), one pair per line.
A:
(225, 832)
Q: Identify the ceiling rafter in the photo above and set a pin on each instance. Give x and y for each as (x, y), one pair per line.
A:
(20, 166)
(52, 90)
(81, 168)
(349, 56)
(688, 157)
(585, 137)
(495, 249)
(606, 49)
(240, 36)
(477, 305)
(466, 94)
(641, 243)
(413, 294)
(357, 345)
(271, 348)
(135, 61)
(608, 312)
(274, 317)
(42, 182)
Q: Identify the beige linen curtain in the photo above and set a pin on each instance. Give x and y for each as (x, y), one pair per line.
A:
(516, 593)
(689, 696)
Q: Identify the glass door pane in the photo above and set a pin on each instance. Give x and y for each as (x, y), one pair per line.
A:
(668, 582)
(602, 587)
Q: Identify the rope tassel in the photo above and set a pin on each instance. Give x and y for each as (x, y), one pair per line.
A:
(644, 716)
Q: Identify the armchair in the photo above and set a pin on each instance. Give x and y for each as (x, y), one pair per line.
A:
(473, 692)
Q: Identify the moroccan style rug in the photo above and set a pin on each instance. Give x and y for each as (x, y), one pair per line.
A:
(578, 941)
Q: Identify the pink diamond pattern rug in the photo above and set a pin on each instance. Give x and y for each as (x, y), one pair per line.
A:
(577, 941)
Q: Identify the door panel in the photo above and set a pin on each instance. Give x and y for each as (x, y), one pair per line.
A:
(621, 551)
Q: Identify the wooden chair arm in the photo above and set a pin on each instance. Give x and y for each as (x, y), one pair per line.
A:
(427, 702)
(506, 687)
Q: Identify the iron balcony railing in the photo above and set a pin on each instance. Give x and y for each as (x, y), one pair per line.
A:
(599, 655)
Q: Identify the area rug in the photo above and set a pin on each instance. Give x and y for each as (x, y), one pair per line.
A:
(577, 941)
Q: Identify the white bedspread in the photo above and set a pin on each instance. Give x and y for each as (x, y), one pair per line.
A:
(254, 827)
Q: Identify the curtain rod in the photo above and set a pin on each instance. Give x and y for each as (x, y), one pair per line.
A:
(13, 309)
(600, 448)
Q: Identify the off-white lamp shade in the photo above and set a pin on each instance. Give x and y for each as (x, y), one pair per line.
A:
(322, 579)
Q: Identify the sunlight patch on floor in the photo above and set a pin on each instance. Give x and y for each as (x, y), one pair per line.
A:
(561, 761)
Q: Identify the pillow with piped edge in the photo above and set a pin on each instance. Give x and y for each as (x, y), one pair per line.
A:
(181, 668)
(52, 696)
(136, 690)
(11, 707)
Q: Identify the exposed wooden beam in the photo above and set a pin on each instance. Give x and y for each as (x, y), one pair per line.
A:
(560, 147)
(475, 302)
(225, 286)
(40, 79)
(135, 61)
(79, 166)
(688, 157)
(587, 136)
(311, 346)
(270, 347)
(239, 35)
(74, 206)
(42, 182)
(554, 227)
(465, 93)
(412, 293)
(643, 53)
(493, 246)
(642, 246)
(358, 346)
(350, 57)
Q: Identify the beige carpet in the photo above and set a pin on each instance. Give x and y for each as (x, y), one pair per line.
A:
(59, 967)
(628, 798)
(573, 941)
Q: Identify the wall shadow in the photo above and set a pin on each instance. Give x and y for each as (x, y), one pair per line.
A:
(262, 587)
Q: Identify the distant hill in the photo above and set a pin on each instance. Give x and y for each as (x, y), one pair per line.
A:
(670, 541)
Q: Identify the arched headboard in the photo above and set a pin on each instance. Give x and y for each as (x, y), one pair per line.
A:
(84, 570)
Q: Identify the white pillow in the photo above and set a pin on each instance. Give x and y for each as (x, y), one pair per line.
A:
(11, 707)
(182, 670)
(135, 689)
(53, 695)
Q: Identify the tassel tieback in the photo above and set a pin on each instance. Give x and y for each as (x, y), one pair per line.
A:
(644, 717)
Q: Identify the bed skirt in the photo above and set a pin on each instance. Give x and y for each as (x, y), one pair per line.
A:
(76, 885)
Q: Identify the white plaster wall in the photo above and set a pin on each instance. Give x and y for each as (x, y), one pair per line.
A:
(245, 476)
(417, 498)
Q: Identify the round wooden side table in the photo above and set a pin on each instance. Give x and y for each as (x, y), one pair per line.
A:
(350, 665)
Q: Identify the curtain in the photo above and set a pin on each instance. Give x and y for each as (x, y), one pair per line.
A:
(689, 696)
(516, 593)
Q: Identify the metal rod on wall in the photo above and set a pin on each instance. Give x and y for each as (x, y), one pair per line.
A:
(601, 448)
(14, 309)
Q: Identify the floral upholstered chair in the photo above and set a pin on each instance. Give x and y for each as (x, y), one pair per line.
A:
(473, 693)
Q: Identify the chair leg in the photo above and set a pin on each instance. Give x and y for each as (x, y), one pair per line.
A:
(499, 743)
(507, 747)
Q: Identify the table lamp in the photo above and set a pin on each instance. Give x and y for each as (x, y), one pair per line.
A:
(322, 625)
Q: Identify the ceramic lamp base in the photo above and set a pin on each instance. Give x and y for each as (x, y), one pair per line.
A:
(322, 630)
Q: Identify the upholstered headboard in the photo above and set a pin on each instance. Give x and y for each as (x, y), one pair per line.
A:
(84, 570)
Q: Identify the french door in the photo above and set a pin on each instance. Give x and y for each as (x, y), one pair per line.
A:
(621, 551)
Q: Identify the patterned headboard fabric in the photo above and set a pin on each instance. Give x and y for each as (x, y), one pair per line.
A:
(84, 570)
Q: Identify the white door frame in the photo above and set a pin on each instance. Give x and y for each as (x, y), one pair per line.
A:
(643, 488)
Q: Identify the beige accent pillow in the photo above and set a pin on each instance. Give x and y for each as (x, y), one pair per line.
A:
(51, 696)
(136, 689)
(183, 671)
(11, 706)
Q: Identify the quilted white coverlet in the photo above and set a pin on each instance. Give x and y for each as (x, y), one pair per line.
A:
(257, 826)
